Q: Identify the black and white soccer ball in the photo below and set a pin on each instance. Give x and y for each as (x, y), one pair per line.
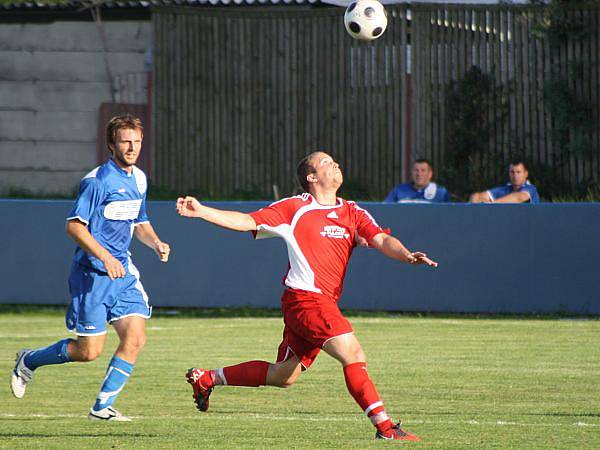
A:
(365, 19)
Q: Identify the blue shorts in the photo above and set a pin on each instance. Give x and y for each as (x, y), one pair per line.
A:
(96, 299)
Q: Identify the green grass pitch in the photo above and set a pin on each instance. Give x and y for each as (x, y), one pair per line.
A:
(457, 382)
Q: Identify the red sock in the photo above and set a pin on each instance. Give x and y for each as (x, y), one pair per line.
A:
(250, 373)
(365, 394)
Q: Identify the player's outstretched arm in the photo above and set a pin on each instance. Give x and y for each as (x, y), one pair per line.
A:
(147, 236)
(78, 231)
(232, 220)
(392, 247)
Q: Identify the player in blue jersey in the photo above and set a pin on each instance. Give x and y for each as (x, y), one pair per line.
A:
(104, 284)
(518, 190)
(421, 189)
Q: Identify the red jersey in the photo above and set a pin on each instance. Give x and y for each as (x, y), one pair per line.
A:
(319, 238)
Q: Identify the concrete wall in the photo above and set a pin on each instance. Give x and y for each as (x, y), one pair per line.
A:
(53, 78)
(493, 259)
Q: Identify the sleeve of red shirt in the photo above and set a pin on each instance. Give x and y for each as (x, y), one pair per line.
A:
(275, 214)
(366, 225)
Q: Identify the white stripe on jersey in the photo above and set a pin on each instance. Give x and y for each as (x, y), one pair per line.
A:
(302, 196)
(300, 275)
(81, 219)
(92, 174)
(140, 180)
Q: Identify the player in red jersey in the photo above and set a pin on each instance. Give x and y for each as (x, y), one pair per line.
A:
(319, 229)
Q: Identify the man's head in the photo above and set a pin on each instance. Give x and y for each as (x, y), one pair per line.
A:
(422, 172)
(319, 170)
(517, 171)
(124, 136)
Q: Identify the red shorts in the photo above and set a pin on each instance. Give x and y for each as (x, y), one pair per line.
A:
(310, 319)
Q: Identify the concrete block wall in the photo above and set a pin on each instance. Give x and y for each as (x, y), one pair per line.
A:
(53, 79)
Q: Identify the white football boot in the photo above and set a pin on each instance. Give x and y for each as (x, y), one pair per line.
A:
(108, 413)
(21, 375)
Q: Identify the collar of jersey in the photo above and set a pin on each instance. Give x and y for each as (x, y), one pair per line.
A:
(527, 183)
(412, 185)
(116, 167)
(337, 205)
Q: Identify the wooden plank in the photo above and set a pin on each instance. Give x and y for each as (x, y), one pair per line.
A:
(543, 61)
(416, 78)
(403, 131)
(518, 99)
(504, 81)
(432, 63)
(595, 91)
(427, 125)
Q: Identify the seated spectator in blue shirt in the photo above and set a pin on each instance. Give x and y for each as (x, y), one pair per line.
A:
(518, 190)
(421, 189)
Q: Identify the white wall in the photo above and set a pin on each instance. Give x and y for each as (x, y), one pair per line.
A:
(53, 78)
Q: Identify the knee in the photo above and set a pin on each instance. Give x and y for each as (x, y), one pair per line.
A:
(283, 379)
(287, 383)
(356, 356)
(87, 354)
(360, 356)
(135, 344)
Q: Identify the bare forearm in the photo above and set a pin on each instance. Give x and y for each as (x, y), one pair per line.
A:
(514, 197)
(391, 247)
(147, 236)
(232, 220)
(480, 197)
(145, 233)
(79, 233)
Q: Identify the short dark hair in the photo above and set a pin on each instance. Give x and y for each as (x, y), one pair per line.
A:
(304, 169)
(517, 161)
(125, 121)
(424, 160)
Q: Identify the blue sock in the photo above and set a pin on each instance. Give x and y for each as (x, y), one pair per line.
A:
(53, 354)
(116, 376)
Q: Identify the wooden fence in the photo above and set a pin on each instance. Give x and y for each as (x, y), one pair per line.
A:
(241, 94)
(501, 41)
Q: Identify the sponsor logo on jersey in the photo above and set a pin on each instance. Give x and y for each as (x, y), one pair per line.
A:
(123, 210)
(120, 191)
(332, 215)
(333, 231)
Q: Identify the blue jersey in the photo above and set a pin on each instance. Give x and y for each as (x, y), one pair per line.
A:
(501, 191)
(110, 202)
(406, 193)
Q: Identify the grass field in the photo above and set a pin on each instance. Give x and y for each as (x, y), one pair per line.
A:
(457, 382)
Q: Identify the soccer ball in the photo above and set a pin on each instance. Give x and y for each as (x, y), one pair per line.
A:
(365, 19)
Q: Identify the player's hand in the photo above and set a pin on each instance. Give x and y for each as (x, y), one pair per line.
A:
(360, 241)
(113, 267)
(420, 258)
(163, 250)
(188, 207)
